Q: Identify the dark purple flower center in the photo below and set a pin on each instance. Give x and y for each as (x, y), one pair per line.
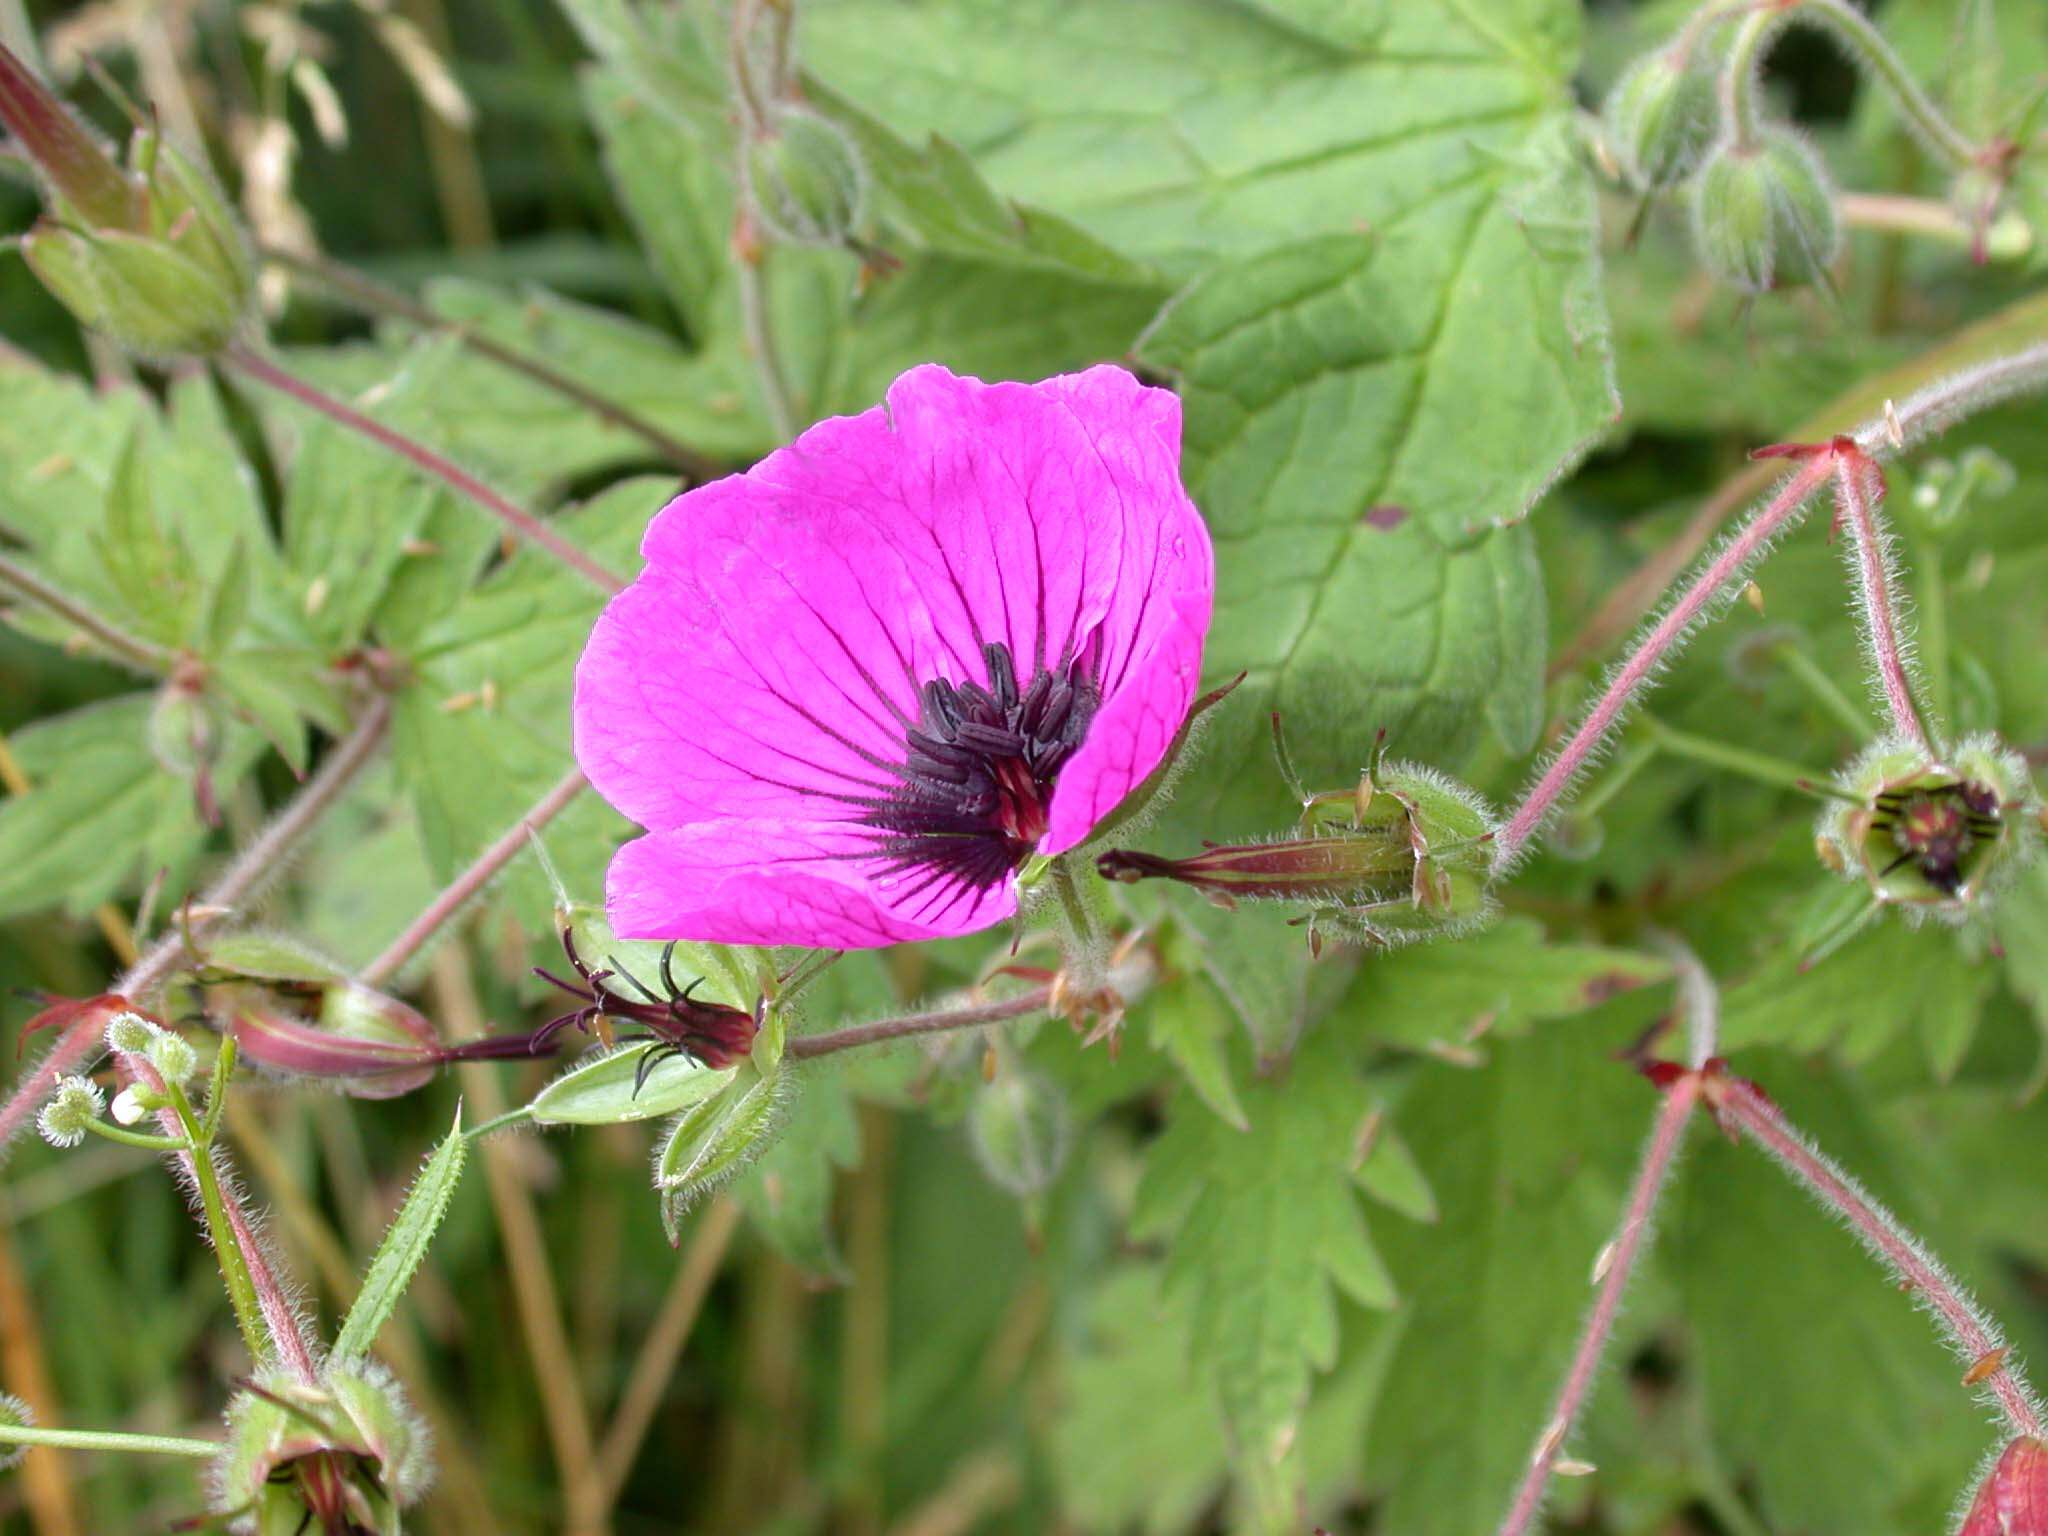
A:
(978, 771)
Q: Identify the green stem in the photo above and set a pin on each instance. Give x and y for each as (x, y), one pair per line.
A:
(227, 1248)
(128, 1138)
(1807, 672)
(1718, 754)
(511, 1117)
(759, 326)
(128, 649)
(107, 1440)
(1633, 762)
(1740, 77)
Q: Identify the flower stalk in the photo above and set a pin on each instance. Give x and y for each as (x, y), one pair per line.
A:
(1611, 1271)
(129, 650)
(254, 366)
(366, 293)
(937, 1021)
(1722, 574)
(1859, 499)
(1860, 36)
(1968, 1330)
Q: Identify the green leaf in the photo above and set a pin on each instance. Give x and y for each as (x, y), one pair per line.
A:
(608, 1089)
(714, 1139)
(1192, 1024)
(1264, 1223)
(1499, 982)
(404, 1248)
(102, 811)
(1138, 1443)
(1178, 130)
(1528, 1159)
(483, 732)
(1890, 978)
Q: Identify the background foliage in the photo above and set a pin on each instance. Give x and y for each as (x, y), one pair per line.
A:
(1320, 1229)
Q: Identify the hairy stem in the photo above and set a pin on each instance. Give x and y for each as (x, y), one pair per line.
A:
(1971, 1333)
(466, 885)
(366, 293)
(1859, 492)
(1866, 45)
(938, 1021)
(143, 655)
(197, 1155)
(108, 1440)
(1720, 575)
(1617, 1262)
(263, 860)
(1761, 767)
(521, 522)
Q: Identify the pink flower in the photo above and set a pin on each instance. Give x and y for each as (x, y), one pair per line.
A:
(858, 686)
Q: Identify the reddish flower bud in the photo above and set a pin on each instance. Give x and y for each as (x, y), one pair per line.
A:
(2013, 1498)
(77, 172)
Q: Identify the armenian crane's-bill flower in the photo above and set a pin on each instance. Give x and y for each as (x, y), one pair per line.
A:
(856, 688)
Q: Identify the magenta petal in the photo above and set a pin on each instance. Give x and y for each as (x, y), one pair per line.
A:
(1130, 734)
(752, 882)
(944, 634)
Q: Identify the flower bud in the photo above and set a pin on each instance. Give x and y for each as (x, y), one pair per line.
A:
(376, 1046)
(129, 1033)
(1662, 117)
(2013, 1498)
(1019, 1128)
(346, 1454)
(1764, 215)
(134, 1104)
(1929, 834)
(14, 1414)
(66, 1120)
(806, 179)
(1401, 856)
(149, 255)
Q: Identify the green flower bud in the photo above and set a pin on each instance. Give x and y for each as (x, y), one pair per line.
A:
(1019, 1127)
(173, 1057)
(149, 254)
(184, 729)
(347, 1454)
(66, 1120)
(1933, 835)
(129, 1034)
(1764, 214)
(1401, 856)
(806, 179)
(1662, 117)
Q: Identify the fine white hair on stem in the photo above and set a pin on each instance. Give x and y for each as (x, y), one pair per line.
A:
(1968, 1330)
(1871, 551)
(1931, 411)
(1720, 577)
(1611, 1273)
(1699, 1000)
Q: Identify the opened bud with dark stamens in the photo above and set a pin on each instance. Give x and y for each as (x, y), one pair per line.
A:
(1932, 833)
(148, 254)
(673, 1020)
(343, 1455)
(1401, 856)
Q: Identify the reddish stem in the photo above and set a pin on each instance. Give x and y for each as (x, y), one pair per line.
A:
(1619, 1261)
(1727, 567)
(1971, 1334)
(1859, 493)
(421, 457)
(472, 880)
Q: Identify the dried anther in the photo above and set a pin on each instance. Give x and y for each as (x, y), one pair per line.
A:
(672, 1022)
